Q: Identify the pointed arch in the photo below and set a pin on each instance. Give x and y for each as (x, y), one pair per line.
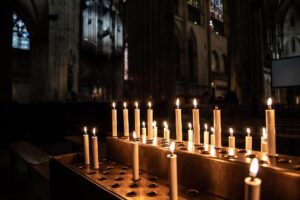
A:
(192, 55)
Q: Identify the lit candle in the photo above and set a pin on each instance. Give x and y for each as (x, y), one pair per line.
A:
(270, 127)
(190, 133)
(137, 119)
(263, 141)
(231, 139)
(248, 140)
(143, 129)
(135, 158)
(95, 150)
(206, 135)
(252, 184)
(125, 120)
(86, 147)
(114, 121)
(166, 131)
(196, 123)
(154, 129)
(173, 173)
(212, 136)
(149, 122)
(217, 127)
(178, 122)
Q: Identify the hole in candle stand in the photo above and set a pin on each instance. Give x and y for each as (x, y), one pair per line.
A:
(152, 185)
(113, 163)
(204, 152)
(131, 194)
(183, 149)
(116, 185)
(122, 172)
(201, 148)
(242, 151)
(193, 192)
(263, 162)
(133, 185)
(109, 167)
(154, 178)
(102, 178)
(152, 194)
(82, 167)
(140, 173)
(250, 156)
(119, 179)
(91, 173)
(125, 167)
(222, 151)
(296, 167)
(283, 160)
(106, 172)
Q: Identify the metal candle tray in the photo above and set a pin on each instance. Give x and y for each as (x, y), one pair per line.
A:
(214, 171)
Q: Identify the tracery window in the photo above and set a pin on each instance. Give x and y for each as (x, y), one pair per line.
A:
(216, 9)
(20, 34)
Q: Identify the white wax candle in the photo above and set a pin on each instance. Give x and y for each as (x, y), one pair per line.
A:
(95, 150)
(263, 142)
(252, 184)
(125, 120)
(231, 139)
(271, 130)
(86, 147)
(144, 129)
(154, 129)
(196, 123)
(166, 131)
(137, 120)
(135, 158)
(212, 136)
(114, 121)
(206, 135)
(149, 122)
(178, 122)
(217, 127)
(190, 133)
(172, 158)
(248, 145)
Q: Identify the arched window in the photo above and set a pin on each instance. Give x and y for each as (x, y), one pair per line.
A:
(216, 9)
(20, 37)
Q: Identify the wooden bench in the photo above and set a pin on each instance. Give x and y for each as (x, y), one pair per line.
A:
(34, 157)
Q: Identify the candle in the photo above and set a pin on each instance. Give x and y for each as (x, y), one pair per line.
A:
(172, 158)
(166, 131)
(196, 123)
(252, 184)
(212, 136)
(217, 127)
(190, 133)
(86, 147)
(149, 121)
(137, 119)
(95, 150)
(178, 122)
(143, 129)
(231, 139)
(270, 127)
(263, 141)
(114, 120)
(206, 135)
(135, 158)
(154, 129)
(125, 120)
(248, 140)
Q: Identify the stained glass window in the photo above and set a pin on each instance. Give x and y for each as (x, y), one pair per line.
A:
(20, 37)
(216, 9)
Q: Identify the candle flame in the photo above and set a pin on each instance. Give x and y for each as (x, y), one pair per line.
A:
(254, 167)
(94, 131)
(165, 125)
(114, 105)
(248, 130)
(172, 147)
(212, 129)
(264, 133)
(195, 103)
(149, 104)
(85, 130)
(231, 131)
(269, 102)
(136, 105)
(190, 125)
(154, 124)
(134, 135)
(143, 124)
(205, 126)
(177, 102)
(125, 105)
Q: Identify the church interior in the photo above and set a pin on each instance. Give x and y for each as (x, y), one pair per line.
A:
(93, 91)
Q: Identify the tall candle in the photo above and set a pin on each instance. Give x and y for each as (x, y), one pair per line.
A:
(149, 122)
(212, 136)
(178, 122)
(135, 158)
(154, 129)
(206, 135)
(137, 120)
(166, 131)
(172, 158)
(190, 133)
(231, 139)
(252, 184)
(95, 150)
(217, 127)
(114, 120)
(271, 130)
(86, 147)
(263, 141)
(196, 123)
(248, 145)
(125, 120)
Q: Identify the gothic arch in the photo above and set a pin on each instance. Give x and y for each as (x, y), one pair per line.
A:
(192, 55)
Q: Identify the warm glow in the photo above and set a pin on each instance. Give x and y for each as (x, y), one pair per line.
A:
(205, 126)
(154, 124)
(149, 104)
(212, 129)
(195, 103)
(177, 103)
(231, 131)
(172, 147)
(254, 167)
(114, 105)
(248, 130)
(134, 135)
(264, 133)
(85, 130)
(231, 152)
(165, 125)
(190, 125)
(269, 102)
(143, 124)
(136, 105)
(125, 105)
(94, 131)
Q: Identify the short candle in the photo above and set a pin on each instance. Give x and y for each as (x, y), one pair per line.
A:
(206, 135)
(252, 184)
(231, 139)
(248, 145)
